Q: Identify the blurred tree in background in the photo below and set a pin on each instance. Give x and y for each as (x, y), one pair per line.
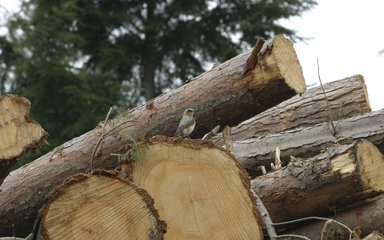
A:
(73, 59)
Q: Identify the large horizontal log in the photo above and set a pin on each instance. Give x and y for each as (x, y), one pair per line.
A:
(226, 95)
(309, 141)
(368, 216)
(322, 184)
(346, 98)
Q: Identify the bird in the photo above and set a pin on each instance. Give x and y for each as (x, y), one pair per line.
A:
(187, 123)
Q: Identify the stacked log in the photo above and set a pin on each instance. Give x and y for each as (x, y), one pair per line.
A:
(347, 97)
(193, 185)
(320, 185)
(227, 94)
(367, 215)
(308, 141)
(330, 155)
(338, 182)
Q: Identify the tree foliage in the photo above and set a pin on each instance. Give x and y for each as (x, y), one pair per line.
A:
(75, 58)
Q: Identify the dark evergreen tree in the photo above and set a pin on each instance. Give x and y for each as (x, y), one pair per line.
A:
(78, 57)
(7, 60)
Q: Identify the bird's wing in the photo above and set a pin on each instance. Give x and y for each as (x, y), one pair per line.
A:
(184, 123)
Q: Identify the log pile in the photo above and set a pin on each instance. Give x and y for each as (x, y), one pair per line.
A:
(321, 151)
(347, 98)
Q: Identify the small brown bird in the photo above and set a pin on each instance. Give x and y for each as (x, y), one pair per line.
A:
(187, 123)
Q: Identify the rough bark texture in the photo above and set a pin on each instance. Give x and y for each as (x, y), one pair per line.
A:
(222, 95)
(347, 97)
(18, 133)
(368, 217)
(324, 183)
(99, 206)
(374, 236)
(309, 141)
(199, 190)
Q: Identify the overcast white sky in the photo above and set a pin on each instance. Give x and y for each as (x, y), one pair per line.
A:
(346, 37)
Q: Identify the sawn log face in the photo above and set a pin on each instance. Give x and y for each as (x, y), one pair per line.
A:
(200, 191)
(98, 206)
(18, 134)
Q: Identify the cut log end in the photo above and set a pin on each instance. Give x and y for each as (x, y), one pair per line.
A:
(289, 64)
(199, 190)
(281, 64)
(364, 160)
(18, 134)
(98, 206)
(366, 98)
(370, 163)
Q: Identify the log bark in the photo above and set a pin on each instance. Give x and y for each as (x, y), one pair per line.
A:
(199, 190)
(222, 95)
(18, 134)
(225, 95)
(309, 141)
(347, 98)
(98, 206)
(324, 183)
(374, 236)
(368, 216)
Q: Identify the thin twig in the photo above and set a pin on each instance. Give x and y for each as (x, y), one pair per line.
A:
(326, 100)
(100, 138)
(313, 218)
(265, 215)
(263, 170)
(324, 228)
(228, 139)
(277, 159)
(211, 133)
(339, 116)
(13, 230)
(270, 225)
(35, 229)
(110, 132)
(292, 235)
(272, 166)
